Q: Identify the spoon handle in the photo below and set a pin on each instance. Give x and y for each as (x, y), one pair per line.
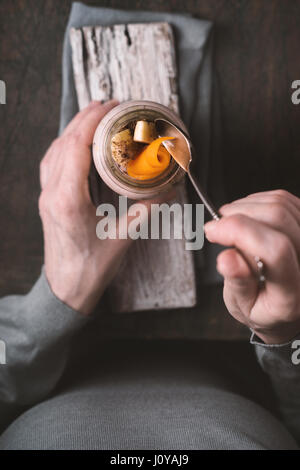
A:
(213, 212)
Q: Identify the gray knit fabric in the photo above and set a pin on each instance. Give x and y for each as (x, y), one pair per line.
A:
(276, 361)
(37, 330)
(133, 414)
(112, 399)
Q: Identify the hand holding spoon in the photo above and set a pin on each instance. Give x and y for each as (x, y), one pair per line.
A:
(181, 149)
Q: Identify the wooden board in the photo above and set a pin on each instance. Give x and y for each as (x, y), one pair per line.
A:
(126, 62)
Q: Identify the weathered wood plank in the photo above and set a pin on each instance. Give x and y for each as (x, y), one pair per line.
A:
(126, 62)
(137, 61)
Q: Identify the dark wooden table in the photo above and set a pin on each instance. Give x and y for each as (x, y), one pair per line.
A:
(256, 59)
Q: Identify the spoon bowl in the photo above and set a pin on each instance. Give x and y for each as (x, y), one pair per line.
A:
(181, 150)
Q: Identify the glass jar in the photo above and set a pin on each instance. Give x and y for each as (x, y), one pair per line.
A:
(116, 120)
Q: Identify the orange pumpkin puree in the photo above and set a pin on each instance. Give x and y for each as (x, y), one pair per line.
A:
(151, 162)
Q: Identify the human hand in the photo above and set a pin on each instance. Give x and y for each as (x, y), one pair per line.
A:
(78, 265)
(267, 225)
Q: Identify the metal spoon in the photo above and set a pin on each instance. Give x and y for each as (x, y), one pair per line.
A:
(181, 150)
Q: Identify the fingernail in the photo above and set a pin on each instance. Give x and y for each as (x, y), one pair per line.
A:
(210, 226)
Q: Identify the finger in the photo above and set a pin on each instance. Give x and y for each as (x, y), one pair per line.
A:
(240, 286)
(84, 125)
(49, 162)
(44, 175)
(254, 238)
(231, 265)
(281, 194)
(66, 170)
(63, 151)
(267, 199)
(273, 214)
(284, 195)
(276, 197)
(76, 119)
(73, 160)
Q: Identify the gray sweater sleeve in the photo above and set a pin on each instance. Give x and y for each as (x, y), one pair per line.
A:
(36, 330)
(282, 365)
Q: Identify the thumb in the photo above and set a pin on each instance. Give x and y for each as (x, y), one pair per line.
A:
(240, 284)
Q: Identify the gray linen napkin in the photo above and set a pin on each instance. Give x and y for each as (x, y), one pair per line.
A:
(193, 39)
